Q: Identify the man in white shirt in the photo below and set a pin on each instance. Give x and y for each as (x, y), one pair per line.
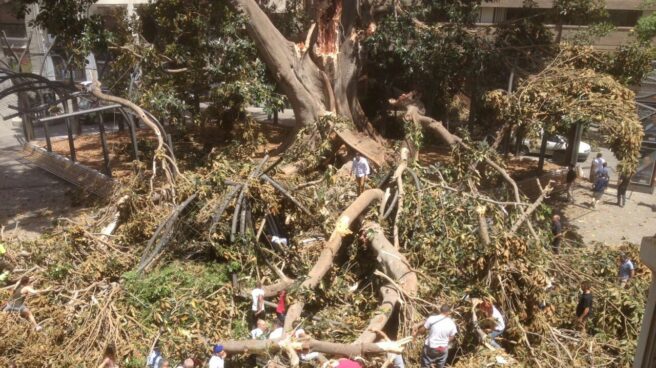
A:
(258, 303)
(500, 326)
(361, 170)
(597, 164)
(258, 332)
(627, 270)
(277, 330)
(218, 357)
(441, 330)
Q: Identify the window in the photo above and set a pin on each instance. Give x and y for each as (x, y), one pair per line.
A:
(624, 18)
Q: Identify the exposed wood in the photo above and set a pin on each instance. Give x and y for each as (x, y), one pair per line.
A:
(398, 176)
(368, 147)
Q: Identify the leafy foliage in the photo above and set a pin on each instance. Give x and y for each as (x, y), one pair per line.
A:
(199, 51)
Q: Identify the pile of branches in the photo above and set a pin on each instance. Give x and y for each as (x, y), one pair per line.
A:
(358, 267)
(567, 92)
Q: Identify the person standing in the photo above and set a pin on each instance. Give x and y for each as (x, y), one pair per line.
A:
(570, 180)
(557, 232)
(281, 308)
(596, 165)
(622, 187)
(584, 308)
(258, 303)
(361, 170)
(441, 330)
(17, 303)
(600, 185)
(626, 270)
(218, 357)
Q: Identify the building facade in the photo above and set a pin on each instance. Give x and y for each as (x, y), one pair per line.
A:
(623, 14)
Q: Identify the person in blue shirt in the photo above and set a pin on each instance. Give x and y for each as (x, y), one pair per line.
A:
(600, 185)
(626, 270)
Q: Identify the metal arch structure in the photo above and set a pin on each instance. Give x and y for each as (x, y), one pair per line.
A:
(23, 83)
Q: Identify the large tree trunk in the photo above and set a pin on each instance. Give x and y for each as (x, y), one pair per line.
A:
(318, 76)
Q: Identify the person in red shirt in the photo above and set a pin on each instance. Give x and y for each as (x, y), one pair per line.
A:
(281, 308)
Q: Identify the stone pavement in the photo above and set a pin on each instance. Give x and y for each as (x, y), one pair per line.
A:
(30, 198)
(609, 223)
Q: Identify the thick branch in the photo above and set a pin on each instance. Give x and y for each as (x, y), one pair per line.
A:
(415, 112)
(395, 265)
(325, 347)
(330, 249)
(532, 207)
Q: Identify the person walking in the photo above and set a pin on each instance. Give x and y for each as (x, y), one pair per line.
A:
(218, 357)
(570, 181)
(361, 170)
(584, 308)
(17, 304)
(441, 330)
(622, 187)
(626, 270)
(596, 165)
(557, 232)
(258, 303)
(600, 185)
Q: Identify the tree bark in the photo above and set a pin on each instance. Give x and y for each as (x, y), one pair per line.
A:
(325, 347)
(395, 265)
(320, 75)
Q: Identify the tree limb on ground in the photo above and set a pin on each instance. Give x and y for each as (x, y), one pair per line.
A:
(330, 249)
(395, 265)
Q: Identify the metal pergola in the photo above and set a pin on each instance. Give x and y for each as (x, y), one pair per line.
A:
(39, 114)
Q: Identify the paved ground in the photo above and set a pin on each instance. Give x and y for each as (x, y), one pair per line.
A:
(30, 198)
(610, 223)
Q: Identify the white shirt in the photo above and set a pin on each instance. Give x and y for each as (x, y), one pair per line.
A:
(440, 329)
(216, 362)
(256, 333)
(277, 333)
(256, 296)
(597, 163)
(498, 318)
(360, 167)
(278, 240)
